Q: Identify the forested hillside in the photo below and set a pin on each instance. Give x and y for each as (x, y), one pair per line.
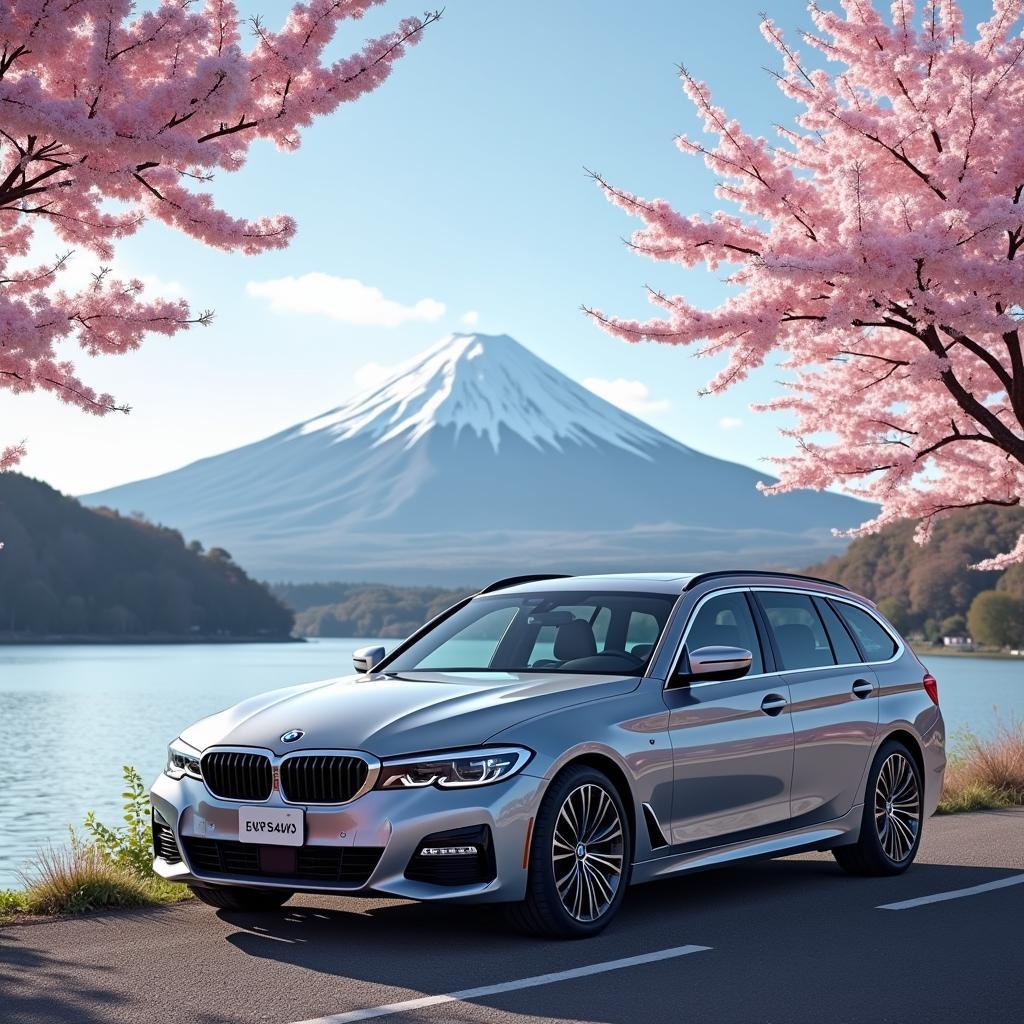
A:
(69, 570)
(929, 590)
(363, 609)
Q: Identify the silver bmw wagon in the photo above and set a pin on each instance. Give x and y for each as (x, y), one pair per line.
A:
(553, 739)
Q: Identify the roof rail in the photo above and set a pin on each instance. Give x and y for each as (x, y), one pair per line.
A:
(514, 581)
(703, 576)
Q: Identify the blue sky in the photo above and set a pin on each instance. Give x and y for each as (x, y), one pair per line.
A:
(461, 182)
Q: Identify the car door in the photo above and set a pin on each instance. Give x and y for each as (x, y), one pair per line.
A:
(732, 740)
(834, 702)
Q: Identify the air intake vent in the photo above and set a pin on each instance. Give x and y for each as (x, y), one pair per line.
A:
(316, 865)
(322, 778)
(654, 830)
(164, 845)
(237, 776)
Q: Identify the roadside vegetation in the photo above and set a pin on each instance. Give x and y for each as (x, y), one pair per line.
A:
(985, 774)
(107, 867)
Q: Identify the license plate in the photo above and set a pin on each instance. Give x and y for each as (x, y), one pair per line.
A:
(271, 826)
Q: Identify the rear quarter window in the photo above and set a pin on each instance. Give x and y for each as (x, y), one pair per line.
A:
(877, 643)
(839, 635)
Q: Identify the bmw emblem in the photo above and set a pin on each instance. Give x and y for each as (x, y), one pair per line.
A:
(292, 735)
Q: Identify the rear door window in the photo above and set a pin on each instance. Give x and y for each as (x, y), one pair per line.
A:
(877, 643)
(797, 630)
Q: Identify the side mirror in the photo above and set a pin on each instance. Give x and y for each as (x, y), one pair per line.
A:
(717, 663)
(366, 659)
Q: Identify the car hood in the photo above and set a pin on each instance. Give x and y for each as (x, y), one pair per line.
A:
(404, 714)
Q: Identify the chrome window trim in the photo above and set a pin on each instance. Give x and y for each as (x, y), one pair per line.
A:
(373, 766)
(806, 591)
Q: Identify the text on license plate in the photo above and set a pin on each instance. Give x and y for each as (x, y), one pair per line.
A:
(271, 826)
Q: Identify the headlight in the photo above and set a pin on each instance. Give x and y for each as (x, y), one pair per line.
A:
(455, 770)
(182, 760)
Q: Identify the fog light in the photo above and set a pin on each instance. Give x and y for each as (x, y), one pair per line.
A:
(448, 851)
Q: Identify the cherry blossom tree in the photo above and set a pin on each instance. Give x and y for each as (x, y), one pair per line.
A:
(108, 117)
(877, 251)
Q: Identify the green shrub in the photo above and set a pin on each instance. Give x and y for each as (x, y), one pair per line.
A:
(11, 902)
(130, 845)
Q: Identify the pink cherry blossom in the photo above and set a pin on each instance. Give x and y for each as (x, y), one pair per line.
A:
(108, 118)
(877, 247)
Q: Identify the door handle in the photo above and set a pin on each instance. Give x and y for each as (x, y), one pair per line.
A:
(862, 688)
(773, 704)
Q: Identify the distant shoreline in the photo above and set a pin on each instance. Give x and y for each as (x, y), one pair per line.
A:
(930, 651)
(91, 639)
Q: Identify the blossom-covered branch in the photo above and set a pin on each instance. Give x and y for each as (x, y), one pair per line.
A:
(877, 247)
(108, 118)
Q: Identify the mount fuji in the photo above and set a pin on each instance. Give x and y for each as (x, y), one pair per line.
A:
(473, 460)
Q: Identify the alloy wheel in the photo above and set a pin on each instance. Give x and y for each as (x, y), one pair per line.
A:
(897, 807)
(587, 852)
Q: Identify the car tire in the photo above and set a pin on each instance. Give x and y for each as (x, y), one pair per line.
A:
(890, 829)
(597, 868)
(237, 897)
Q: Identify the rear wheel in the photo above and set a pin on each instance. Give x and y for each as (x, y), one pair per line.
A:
(579, 858)
(237, 897)
(890, 830)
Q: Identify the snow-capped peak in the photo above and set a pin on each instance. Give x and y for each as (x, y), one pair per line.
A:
(484, 384)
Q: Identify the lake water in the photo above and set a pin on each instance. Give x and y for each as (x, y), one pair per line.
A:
(71, 716)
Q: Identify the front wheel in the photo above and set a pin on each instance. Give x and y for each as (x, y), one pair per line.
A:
(890, 830)
(237, 897)
(579, 858)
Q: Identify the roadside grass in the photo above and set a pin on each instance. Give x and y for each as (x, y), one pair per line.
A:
(110, 868)
(77, 878)
(985, 774)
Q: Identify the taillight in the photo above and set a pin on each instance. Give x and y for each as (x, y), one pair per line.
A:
(931, 687)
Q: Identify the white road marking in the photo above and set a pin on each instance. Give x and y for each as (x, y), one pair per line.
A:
(954, 894)
(506, 986)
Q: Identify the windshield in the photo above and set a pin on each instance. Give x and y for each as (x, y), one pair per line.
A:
(596, 633)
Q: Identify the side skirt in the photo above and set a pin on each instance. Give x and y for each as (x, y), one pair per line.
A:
(821, 836)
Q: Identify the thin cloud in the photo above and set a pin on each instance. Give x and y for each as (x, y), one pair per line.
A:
(471, 318)
(730, 423)
(341, 298)
(631, 395)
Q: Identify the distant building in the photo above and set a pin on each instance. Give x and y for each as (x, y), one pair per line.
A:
(963, 642)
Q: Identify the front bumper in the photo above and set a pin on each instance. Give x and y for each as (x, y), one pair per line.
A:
(395, 821)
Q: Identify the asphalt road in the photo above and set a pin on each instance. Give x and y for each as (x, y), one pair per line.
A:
(790, 940)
